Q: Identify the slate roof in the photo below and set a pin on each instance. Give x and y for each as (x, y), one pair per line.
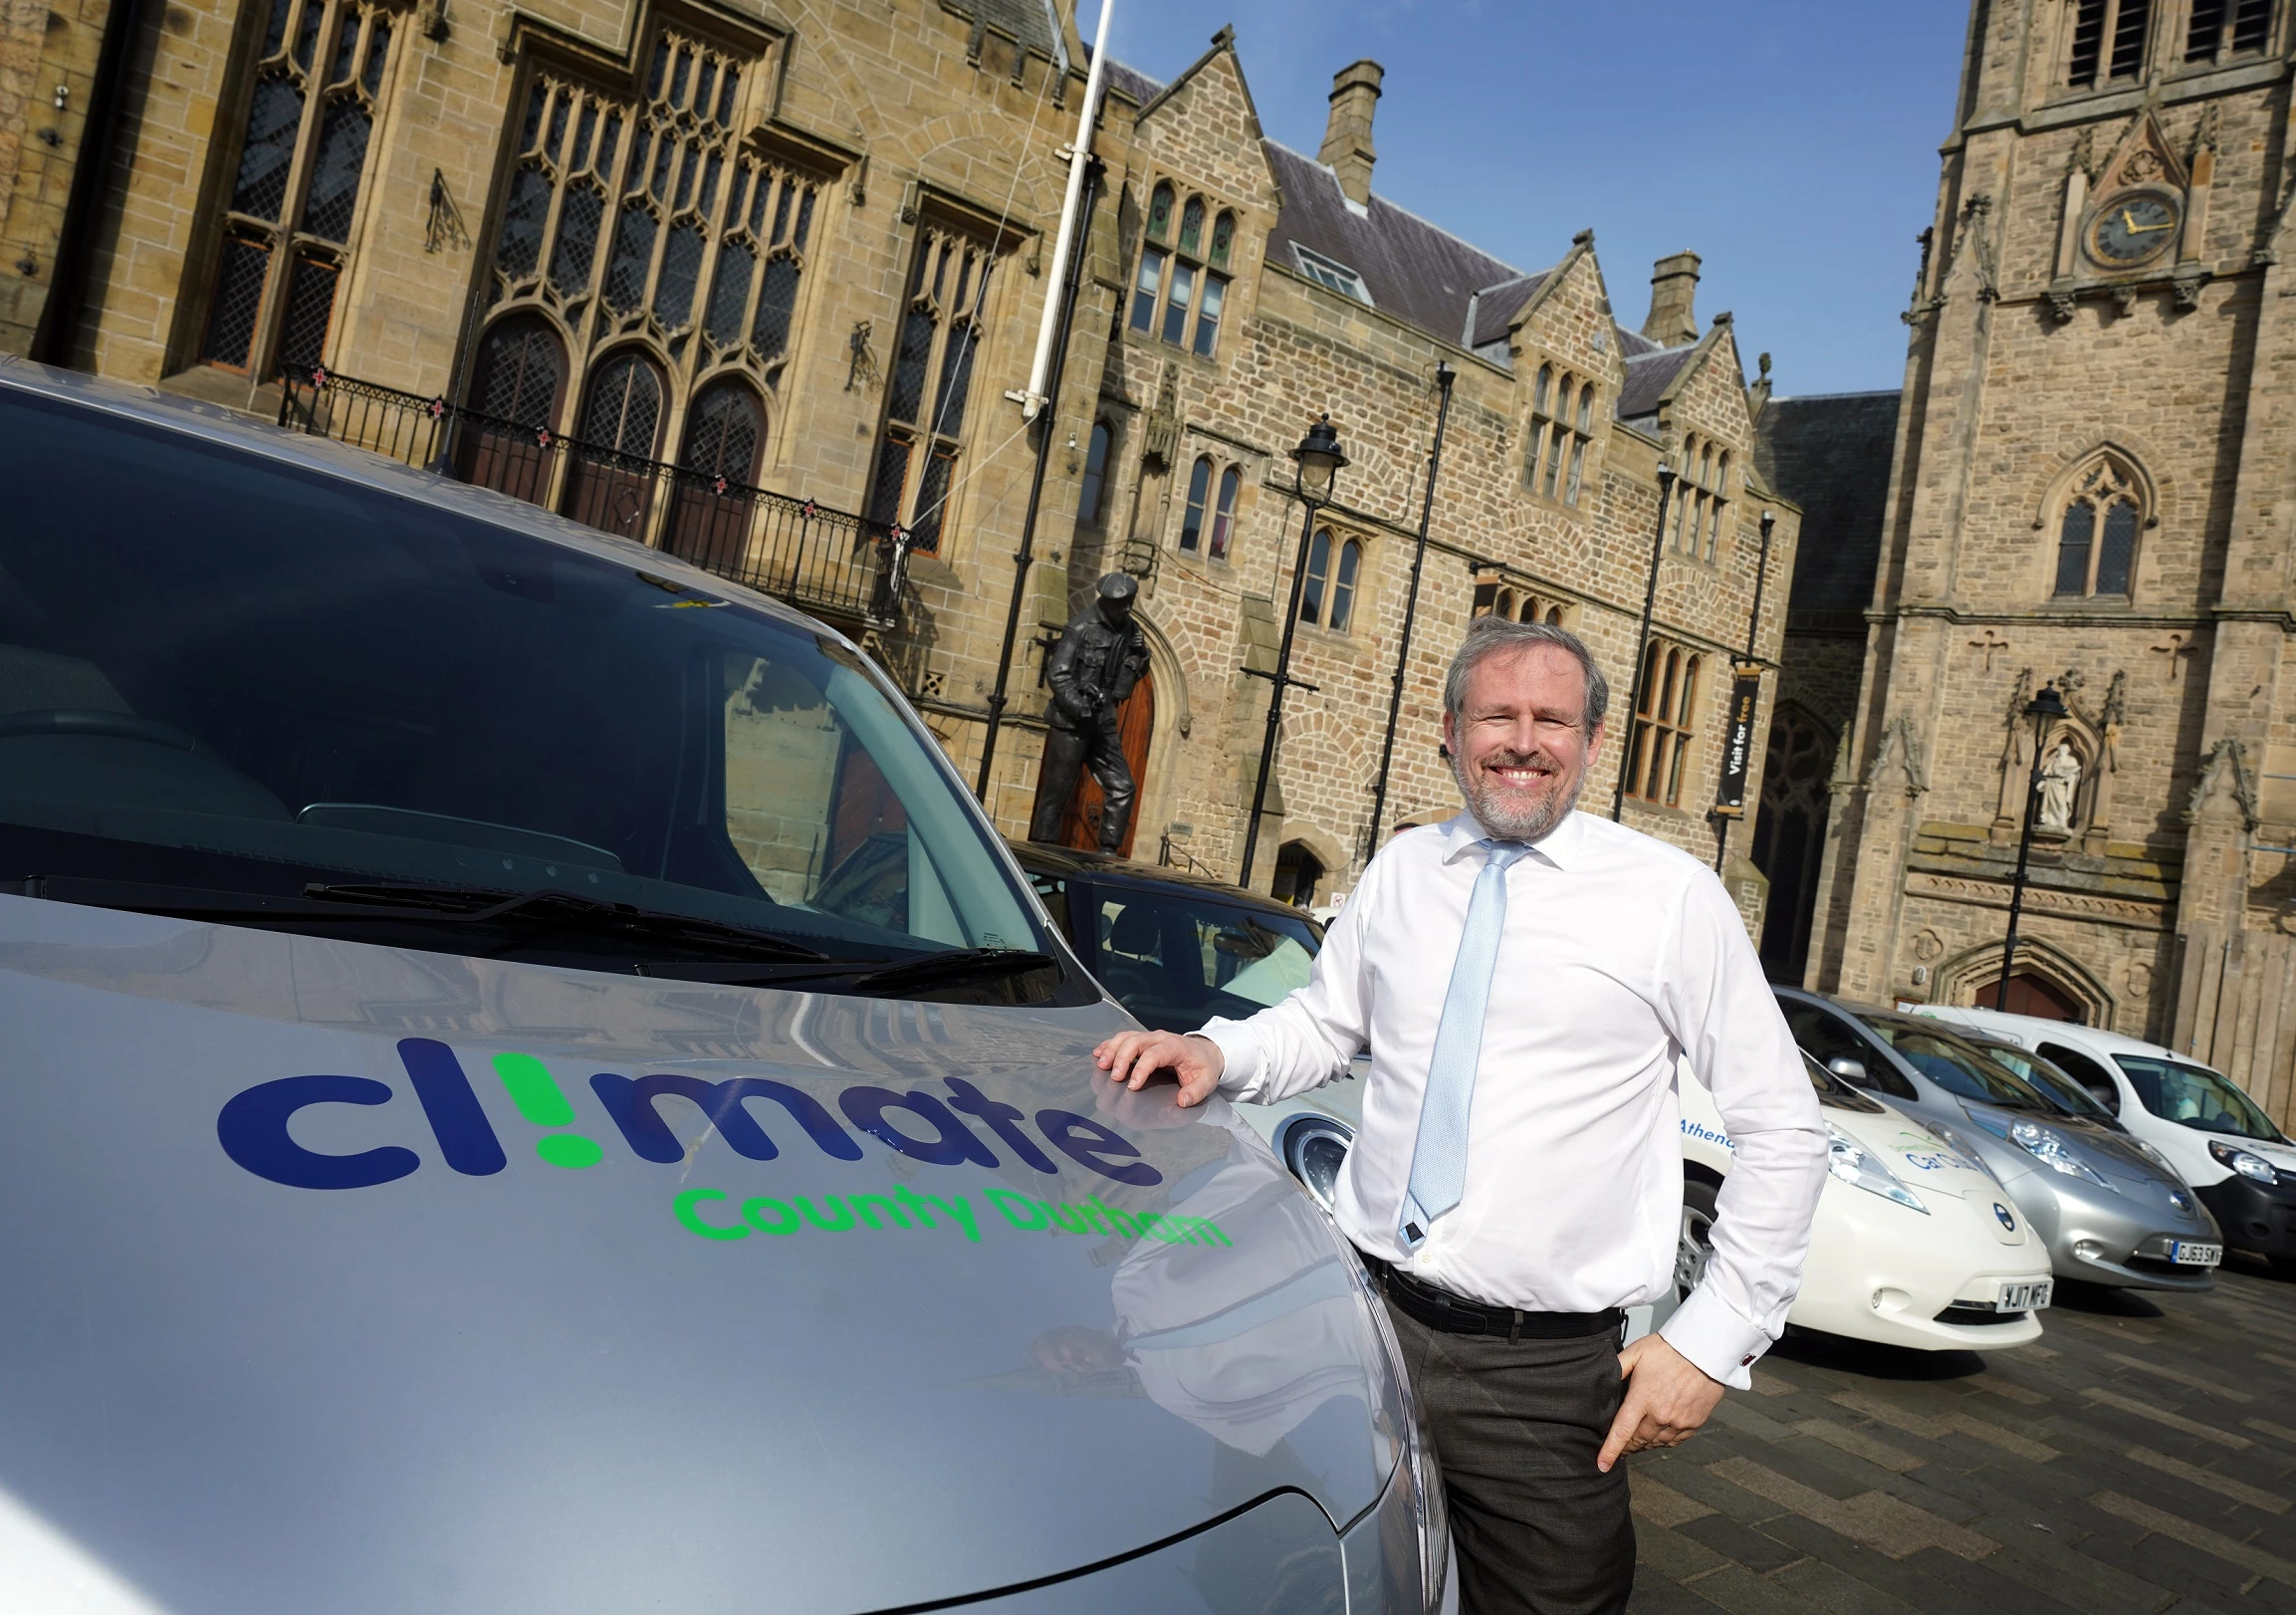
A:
(1830, 454)
(1495, 306)
(1649, 373)
(1131, 80)
(1416, 271)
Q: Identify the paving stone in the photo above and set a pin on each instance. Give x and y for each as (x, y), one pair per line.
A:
(1742, 1543)
(1889, 1525)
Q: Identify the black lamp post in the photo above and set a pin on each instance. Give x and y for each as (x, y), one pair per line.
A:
(2044, 709)
(1318, 460)
(1641, 644)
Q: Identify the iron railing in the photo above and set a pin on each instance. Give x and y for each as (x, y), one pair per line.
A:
(798, 550)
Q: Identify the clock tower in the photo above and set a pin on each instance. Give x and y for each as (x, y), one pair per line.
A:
(2093, 487)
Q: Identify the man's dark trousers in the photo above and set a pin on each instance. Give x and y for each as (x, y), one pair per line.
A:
(1097, 745)
(1516, 1427)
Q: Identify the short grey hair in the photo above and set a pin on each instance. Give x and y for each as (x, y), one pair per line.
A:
(1489, 636)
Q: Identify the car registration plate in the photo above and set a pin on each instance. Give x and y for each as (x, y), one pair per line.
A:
(2191, 1254)
(2031, 1297)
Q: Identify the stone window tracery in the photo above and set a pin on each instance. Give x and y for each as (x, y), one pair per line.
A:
(1658, 757)
(647, 217)
(930, 383)
(1561, 427)
(2097, 529)
(1179, 288)
(294, 201)
(1328, 596)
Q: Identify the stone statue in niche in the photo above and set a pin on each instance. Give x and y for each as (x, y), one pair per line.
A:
(2060, 779)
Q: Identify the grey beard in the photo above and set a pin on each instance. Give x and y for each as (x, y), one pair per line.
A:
(1507, 822)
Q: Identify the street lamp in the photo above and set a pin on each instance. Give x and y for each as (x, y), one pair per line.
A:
(1642, 645)
(1318, 462)
(2044, 709)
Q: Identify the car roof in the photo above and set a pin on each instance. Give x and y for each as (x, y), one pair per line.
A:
(1044, 858)
(2072, 1032)
(228, 428)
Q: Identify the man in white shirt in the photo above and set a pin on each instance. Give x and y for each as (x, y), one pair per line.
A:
(1525, 978)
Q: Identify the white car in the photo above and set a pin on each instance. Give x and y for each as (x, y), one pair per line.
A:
(1915, 1244)
(2217, 1138)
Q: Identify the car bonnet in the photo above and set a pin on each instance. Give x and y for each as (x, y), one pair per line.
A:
(1918, 1157)
(364, 1279)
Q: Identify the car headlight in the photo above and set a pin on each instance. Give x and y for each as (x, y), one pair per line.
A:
(1851, 1162)
(1314, 1148)
(2248, 1163)
(1418, 1470)
(2048, 1147)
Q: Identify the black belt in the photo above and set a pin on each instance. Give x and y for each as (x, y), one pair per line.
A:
(1439, 1308)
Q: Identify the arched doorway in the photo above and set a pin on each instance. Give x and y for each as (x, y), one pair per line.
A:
(711, 510)
(1298, 871)
(517, 389)
(1135, 722)
(2029, 994)
(611, 484)
(1790, 836)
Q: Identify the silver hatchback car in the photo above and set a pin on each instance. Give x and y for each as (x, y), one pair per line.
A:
(2110, 1211)
(530, 1086)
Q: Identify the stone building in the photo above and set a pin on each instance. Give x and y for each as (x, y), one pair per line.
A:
(2090, 489)
(759, 290)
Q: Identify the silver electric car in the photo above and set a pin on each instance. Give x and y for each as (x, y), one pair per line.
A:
(529, 1085)
(2108, 1210)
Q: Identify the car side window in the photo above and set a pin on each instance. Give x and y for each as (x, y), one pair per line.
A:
(1827, 1040)
(1054, 890)
(2087, 1073)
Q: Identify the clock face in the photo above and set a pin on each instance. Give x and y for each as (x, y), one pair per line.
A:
(2132, 227)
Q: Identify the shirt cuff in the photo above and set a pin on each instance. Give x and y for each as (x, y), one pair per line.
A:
(1238, 1047)
(1720, 1343)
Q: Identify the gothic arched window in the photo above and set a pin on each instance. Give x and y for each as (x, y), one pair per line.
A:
(516, 394)
(1328, 594)
(2097, 531)
(1199, 490)
(710, 514)
(1095, 477)
(1224, 514)
(1790, 835)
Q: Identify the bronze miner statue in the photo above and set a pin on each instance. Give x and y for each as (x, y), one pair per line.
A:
(1098, 660)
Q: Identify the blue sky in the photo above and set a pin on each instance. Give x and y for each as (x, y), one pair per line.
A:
(1791, 144)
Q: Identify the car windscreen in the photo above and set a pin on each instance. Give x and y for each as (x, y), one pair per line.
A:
(1176, 958)
(232, 677)
(1954, 1065)
(2194, 1096)
(2054, 1085)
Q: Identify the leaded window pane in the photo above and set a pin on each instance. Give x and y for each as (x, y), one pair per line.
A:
(2118, 553)
(705, 87)
(556, 143)
(681, 65)
(1160, 212)
(729, 293)
(956, 380)
(1222, 240)
(276, 31)
(892, 478)
(915, 353)
(681, 272)
(306, 37)
(521, 370)
(334, 175)
(378, 52)
(1343, 591)
(805, 218)
(1577, 468)
(609, 140)
(625, 407)
(1224, 514)
(633, 254)
(1095, 476)
(728, 87)
(534, 110)
(345, 50)
(2073, 549)
(1192, 226)
(310, 312)
(1176, 305)
(664, 150)
(1192, 521)
(1208, 317)
(725, 435)
(269, 150)
(932, 500)
(1146, 288)
(522, 221)
(239, 277)
(777, 301)
(1318, 573)
(577, 241)
(656, 71)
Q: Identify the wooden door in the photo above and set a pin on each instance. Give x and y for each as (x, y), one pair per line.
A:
(1135, 721)
(2031, 995)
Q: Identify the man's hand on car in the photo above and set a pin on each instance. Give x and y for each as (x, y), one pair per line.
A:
(1133, 1058)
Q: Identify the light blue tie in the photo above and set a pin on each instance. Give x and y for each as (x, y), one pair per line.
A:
(1438, 1157)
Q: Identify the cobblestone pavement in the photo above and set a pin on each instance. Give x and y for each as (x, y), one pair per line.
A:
(2140, 1456)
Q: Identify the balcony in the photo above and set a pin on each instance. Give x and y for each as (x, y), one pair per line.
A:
(826, 561)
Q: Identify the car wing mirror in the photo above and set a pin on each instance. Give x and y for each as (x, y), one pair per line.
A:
(1848, 1070)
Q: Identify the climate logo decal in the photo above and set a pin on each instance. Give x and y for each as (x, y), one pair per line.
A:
(938, 1128)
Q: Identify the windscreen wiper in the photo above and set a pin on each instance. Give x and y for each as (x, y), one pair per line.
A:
(952, 968)
(563, 910)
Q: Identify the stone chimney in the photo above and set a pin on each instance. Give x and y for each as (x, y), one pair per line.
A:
(1673, 298)
(1347, 136)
